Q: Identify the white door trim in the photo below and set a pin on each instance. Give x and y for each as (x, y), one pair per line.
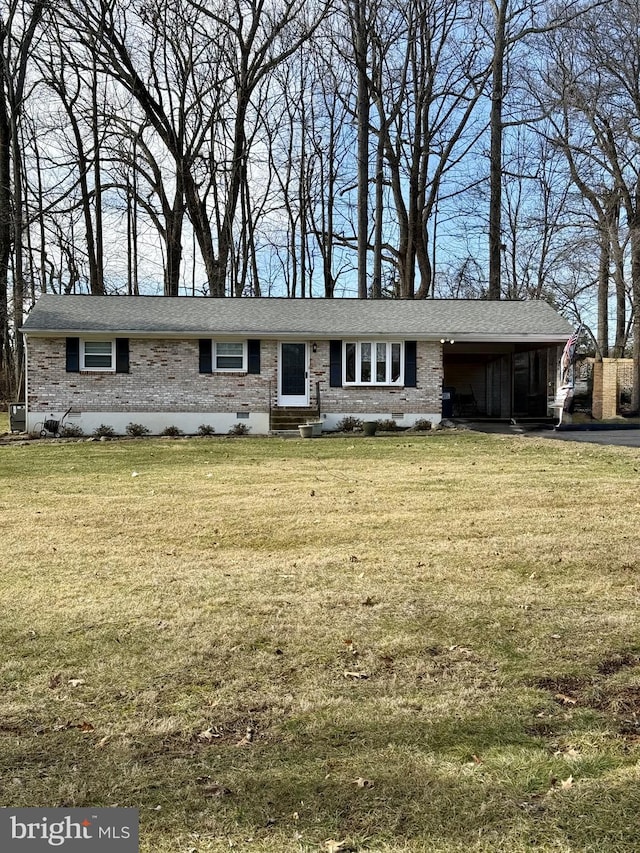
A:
(293, 399)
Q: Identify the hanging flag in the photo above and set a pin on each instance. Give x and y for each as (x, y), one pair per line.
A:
(566, 361)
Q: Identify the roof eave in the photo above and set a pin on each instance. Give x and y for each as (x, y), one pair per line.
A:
(434, 337)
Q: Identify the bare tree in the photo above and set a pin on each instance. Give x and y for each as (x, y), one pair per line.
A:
(79, 101)
(540, 229)
(18, 28)
(427, 93)
(598, 113)
(360, 15)
(204, 64)
(511, 25)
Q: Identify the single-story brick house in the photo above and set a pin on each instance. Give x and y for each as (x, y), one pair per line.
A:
(272, 363)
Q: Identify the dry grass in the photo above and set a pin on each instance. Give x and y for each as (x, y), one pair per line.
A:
(405, 644)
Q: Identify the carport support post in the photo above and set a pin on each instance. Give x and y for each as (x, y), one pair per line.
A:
(604, 402)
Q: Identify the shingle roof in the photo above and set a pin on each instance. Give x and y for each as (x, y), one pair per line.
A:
(184, 316)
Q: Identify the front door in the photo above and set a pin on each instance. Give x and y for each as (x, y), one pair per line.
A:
(293, 387)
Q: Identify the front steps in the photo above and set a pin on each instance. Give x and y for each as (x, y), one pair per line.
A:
(285, 418)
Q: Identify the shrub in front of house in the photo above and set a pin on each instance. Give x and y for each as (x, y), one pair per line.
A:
(137, 430)
(172, 431)
(349, 424)
(71, 431)
(104, 431)
(206, 429)
(387, 425)
(422, 425)
(239, 429)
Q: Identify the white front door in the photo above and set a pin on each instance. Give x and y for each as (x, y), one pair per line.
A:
(293, 374)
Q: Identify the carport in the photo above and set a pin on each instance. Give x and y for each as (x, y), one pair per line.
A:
(500, 380)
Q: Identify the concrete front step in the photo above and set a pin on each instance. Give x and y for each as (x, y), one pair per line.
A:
(289, 418)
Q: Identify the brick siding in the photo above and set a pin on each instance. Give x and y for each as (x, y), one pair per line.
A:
(164, 377)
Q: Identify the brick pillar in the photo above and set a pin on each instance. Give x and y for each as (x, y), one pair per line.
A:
(605, 389)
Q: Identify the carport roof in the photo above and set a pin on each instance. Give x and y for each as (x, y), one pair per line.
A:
(185, 316)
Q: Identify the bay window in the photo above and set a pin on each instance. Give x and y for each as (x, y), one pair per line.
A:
(373, 363)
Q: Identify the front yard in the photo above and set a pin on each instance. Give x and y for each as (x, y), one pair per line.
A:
(408, 643)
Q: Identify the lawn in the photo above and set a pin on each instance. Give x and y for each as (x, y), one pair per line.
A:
(410, 643)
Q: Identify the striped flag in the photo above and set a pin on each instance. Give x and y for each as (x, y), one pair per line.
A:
(566, 361)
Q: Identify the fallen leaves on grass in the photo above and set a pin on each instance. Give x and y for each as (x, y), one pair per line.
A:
(333, 846)
(561, 785)
(569, 753)
(357, 676)
(84, 727)
(566, 700)
(361, 782)
(248, 738)
(209, 734)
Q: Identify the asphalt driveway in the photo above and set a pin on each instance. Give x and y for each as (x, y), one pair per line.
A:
(623, 437)
(620, 437)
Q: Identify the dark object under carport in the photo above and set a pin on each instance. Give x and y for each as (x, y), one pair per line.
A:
(448, 399)
(17, 417)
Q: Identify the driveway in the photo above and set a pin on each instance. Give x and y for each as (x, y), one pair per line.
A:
(621, 437)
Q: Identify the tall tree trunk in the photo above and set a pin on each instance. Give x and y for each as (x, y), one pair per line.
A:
(97, 185)
(363, 144)
(174, 219)
(603, 294)
(11, 213)
(6, 355)
(495, 154)
(635, 296)
(18, 253)
(95, 279)
(41, 219)
(421, 241)
(617, 253)
(215, 268)
(376, 288)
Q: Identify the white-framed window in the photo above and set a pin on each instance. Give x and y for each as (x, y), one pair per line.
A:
(98, 355)
(230, 356)
(373, 363)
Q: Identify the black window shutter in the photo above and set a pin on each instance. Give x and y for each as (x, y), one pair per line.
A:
(205, 355)
(335, 364)
(122, 355)
(73, 355)
(253, 348)
(410, 364)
